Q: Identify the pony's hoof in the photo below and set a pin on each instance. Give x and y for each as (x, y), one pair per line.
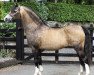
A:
(87, 74)
(36, 71)
(40, 68)
(81, 73)
(39, 73)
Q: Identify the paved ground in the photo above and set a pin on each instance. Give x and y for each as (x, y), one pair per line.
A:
(50, 68)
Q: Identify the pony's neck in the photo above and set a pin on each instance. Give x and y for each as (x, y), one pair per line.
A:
(29, 19)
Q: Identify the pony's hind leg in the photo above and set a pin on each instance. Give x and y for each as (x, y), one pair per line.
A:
(84, 67)
(38, 62)
(87, 60)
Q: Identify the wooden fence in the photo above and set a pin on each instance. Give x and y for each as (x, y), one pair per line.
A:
(19, 39)
(19, 47)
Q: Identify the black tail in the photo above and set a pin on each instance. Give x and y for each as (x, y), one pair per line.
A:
(87, 46)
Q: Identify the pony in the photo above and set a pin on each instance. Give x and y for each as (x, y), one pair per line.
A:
(42, 37)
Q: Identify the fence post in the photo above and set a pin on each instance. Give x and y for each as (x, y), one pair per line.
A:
(91, 34)
(19, 41)
(56, 56)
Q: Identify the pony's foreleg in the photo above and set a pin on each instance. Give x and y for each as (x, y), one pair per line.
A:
(38, 63)
(40, 68)
(81, 70)
(36, 70)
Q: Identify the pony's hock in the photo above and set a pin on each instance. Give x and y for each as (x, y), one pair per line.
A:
(41, 37)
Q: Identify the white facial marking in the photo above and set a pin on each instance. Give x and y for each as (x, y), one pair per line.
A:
(87, 69)
(7, 17)
(40, 68)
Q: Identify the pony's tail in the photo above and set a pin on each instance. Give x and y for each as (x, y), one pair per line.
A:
(87, 47)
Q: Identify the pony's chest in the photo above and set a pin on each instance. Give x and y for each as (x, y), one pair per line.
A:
(33, 39)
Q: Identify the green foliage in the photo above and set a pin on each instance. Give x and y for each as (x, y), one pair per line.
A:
(5, 8)
(3, 53)
(7, 53)
(7, 26)
(58, 11)
(0, 9)
(69, 12)
(70, 1)
(86, 2)
(42, 11)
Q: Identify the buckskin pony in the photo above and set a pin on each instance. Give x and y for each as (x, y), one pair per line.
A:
(42, 37)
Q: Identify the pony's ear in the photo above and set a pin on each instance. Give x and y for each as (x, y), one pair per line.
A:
(16, 4)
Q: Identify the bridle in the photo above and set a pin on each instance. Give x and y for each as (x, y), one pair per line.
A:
(15, 12)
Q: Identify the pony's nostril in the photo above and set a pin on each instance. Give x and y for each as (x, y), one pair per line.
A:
(6, 19)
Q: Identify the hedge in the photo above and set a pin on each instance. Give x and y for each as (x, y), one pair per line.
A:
(68, 12)
(62, 12)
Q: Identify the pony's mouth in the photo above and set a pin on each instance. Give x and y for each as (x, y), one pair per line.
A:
(8, 18)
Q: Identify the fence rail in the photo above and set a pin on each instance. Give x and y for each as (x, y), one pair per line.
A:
(19, 40)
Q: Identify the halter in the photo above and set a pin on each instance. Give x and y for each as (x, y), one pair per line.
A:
(12, 15)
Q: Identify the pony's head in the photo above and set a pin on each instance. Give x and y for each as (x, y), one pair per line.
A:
(13, 14)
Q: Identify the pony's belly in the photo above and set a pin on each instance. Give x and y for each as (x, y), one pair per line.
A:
(53, 45)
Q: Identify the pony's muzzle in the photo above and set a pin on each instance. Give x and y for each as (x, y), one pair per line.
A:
(8, 18)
